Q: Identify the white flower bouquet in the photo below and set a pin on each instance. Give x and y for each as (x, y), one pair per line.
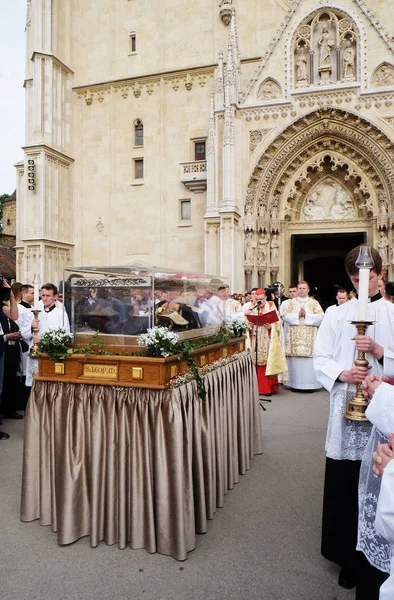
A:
(238, 327)
(159, 341)
(55, 343)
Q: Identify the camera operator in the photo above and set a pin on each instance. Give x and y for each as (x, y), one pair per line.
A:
(6, 313)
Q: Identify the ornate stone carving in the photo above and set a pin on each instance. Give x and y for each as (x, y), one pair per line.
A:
(333, 132)
(348, 62)
(383, 245)
(261, 257)
(255, 137)
(274, 251)
(383, 76)
(226, 11)
(302, 65)
(328, 201)
(269, 89)
(249, 248)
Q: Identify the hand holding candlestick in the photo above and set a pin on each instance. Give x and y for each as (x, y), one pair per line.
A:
(358, 404)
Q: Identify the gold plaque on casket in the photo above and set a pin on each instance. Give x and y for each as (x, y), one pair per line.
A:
(59, 368)
(100, 371)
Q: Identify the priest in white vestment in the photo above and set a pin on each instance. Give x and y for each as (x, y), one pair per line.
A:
(335, 350)
(52, 316)
(302, 316)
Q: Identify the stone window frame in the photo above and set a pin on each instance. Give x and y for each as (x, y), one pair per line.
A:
(132, 43)
(138, 180)
(195, 141)
(184, 222)
(137, 123)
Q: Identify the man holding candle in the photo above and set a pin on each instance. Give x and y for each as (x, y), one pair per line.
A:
(52, 315)
(335, 350)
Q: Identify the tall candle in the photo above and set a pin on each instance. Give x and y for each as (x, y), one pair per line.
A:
(363, 284)
(36, 294)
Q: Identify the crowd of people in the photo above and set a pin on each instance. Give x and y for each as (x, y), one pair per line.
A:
(16, 338)
(292, 342)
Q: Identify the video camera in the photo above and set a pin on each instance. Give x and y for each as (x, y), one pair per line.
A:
(5, 292)
(270, 290)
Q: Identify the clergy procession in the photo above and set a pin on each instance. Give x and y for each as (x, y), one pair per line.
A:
(294, 344)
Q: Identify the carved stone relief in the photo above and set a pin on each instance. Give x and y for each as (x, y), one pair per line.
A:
(383, 245)
(328, 201)
(269, 89)
(383, 75)
(255, 137)
(274, 251)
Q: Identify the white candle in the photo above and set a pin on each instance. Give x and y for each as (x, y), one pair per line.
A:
(363, 285)
(36, 294)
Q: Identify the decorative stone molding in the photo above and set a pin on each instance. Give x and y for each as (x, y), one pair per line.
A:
(255, 137)
(146, 85)
(356, 145)
(269, 89)
(100, 225)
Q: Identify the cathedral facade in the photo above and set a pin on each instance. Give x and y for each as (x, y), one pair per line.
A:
(254, 139)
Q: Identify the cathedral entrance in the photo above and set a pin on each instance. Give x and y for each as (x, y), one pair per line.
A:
(318, 258)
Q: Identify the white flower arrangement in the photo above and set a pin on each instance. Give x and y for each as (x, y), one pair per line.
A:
(55, 343)
(238, 327)
(159, 341)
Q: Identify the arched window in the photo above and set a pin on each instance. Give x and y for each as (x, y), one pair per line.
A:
(138, 133)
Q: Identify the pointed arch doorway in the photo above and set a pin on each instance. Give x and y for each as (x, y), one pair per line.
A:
(318, 258)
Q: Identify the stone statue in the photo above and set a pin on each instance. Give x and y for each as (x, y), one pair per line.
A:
(274, 250)
(302, 63)
(248, 248)
(274, 207)
(325, 44)
(348, 61)
(382, 247)
(262, 249)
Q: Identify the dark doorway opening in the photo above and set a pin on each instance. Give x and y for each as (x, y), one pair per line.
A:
(319, 257)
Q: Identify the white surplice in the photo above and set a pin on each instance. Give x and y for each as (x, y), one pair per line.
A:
(47, 320)
(380, 413)
(335, 351)
(385, 524)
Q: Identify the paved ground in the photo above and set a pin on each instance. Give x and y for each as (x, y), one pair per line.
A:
(263, 545)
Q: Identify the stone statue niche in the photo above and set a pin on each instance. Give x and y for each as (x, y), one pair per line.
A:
(325, 50)
(328, 201)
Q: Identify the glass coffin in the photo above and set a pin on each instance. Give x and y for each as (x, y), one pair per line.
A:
(123, 302)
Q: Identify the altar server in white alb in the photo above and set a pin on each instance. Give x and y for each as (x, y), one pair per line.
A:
(335, 350)
(384, 521)
(52, 316)
(302, 316)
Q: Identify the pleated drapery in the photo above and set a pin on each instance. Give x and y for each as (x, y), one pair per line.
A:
(138, 467)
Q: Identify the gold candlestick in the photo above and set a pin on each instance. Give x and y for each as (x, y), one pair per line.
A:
(34, 351)
(358, 404)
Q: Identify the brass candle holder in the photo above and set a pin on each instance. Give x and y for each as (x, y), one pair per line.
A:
(34, 351)
(358, 404)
